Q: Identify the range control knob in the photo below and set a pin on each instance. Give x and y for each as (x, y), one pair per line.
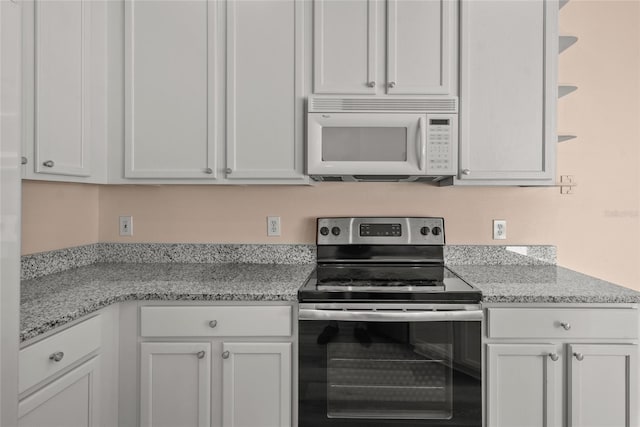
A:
(335, 231)
(424, 231)
(324, 231)
(436, 231)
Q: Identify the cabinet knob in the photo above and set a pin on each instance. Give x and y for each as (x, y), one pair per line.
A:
(208, 171)
(24, 160)
(466, 172)
(57, 356)
(200, 354)
(579, 356)
(392, 84)
(213, 323)
(228, 170)
(225, 355)
(566, 326)
(371, 84)
(48, 163)
(554, 356)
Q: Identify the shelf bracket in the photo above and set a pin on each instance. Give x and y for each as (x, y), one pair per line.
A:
(566, 184)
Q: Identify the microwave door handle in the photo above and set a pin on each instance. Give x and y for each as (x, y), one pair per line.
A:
(421, 142)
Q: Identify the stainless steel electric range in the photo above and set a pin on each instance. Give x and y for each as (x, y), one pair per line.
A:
(388, 335)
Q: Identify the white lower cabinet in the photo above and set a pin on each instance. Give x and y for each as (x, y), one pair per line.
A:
(256, 383)
(70, 401)
(522, 385)
(602, 385)
(537, 378)
(213, 368)
(175, 384)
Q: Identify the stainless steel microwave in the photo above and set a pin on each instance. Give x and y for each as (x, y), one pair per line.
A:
(382, 139)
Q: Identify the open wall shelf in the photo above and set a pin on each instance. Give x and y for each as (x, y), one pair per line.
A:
(564, 90)
(563, 138)
(566, 42)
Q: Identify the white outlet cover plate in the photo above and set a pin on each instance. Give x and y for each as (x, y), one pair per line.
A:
(126, 225)
(273, 226)
(499, 229)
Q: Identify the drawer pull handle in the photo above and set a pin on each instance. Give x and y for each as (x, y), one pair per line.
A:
(200, 354)
(554, 356)
(579, 356)
(213, 323)
(225, 355)
(48, 163)
(57, 356)
(566, 325)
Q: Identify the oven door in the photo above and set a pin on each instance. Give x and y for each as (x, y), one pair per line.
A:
(383, 365)
(366, 144)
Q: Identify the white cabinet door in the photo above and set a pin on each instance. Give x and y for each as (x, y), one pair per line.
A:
(175, 384)
(58, 88)
(71, 400)
(420, 47)
(508, 91)
(344, 45)
(524, 385)
(603, 385)
(256, 388)
(170, 86)
(265, 89)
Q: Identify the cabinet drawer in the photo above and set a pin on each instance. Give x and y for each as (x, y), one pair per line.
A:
(614, 323)
(37, 363)
(215, 321)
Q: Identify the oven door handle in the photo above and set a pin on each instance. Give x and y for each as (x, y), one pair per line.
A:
(391, 316)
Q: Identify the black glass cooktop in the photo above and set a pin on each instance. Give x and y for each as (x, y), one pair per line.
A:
(387, 282)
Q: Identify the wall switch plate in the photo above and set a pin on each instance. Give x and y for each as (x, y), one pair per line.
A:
(273, 226)
(126, 225)
(499, 229)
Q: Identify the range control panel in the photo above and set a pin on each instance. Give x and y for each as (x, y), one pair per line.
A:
(380, 231)
(442, 144)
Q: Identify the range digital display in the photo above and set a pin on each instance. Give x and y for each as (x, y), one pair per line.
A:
(381, 230)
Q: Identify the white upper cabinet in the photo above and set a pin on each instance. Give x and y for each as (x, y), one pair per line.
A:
(345, 39)
(508, 91)
(396, 47)
(420, 47)
(64, 54)
(169, 88)
(215, 90)
(265, 89)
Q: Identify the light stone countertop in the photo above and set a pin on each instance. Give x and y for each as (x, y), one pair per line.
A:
(56, 299)
(541, 284)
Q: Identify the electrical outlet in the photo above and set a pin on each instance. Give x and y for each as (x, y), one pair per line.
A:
(499, 229)
(126, 226)
(273, 226)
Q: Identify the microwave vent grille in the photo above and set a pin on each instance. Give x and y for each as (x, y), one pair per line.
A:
(434, 105)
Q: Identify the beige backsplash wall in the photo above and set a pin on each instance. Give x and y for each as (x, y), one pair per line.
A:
(58, 215)
(596, 230)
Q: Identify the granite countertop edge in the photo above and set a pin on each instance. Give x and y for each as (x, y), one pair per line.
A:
(240, 282)
(96, 305)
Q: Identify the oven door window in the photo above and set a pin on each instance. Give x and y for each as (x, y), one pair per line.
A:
(388, 379)
(354, 373)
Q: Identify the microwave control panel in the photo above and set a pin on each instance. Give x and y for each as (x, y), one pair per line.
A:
(442, 144)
